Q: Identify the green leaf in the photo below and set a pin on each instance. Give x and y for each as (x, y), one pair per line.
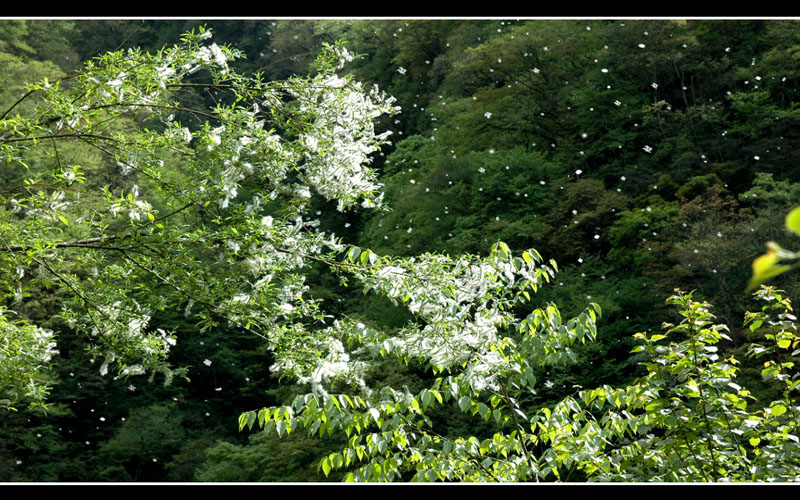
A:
(63, 219)
(526, 257)
(463, 403)
(447, 446)
(497, 415)
(251, 419)
(778, 410)
(793, 221)
(762, 264)
(427, 398)
(376, 471)
(764, 268)
(483, 409)
(353, 253)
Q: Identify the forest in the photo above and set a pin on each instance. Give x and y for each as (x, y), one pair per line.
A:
(399, 250)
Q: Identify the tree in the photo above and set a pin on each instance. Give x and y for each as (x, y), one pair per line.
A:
(685, 420)
(144, 441)
(177, 206)
(207, 210)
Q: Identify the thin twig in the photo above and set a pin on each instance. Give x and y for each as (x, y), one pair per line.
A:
(24, 96)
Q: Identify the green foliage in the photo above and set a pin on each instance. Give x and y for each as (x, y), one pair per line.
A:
(147, 438)
(485, 361)
(767, 266)
(121, 258)
(266, 457)
(769, 194)
(189, 195)
(697, 186)
(25, 351)
(451, 201)
(580, 215)
(686, 420)
(13, 38)
(634, 226)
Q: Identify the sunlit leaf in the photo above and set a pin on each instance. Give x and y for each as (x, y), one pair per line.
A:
(793, 221)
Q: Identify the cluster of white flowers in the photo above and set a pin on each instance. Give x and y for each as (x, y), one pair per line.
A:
(247, 149)
(208, 55)
(459, 306)
(341, 138)
(336, 364)
(138, 209)
(482, 373)
(344, 55)
(24, 349)
(164, 73)
(127, 322)
(57, 201)
(463, 304)
(45, 345)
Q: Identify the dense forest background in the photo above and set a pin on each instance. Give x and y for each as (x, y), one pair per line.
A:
(643, 156)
